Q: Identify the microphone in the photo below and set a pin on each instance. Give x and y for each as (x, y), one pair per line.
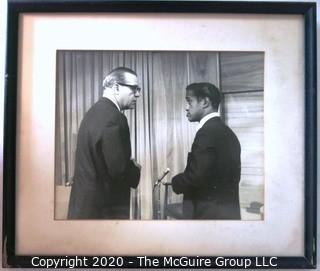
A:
(162, 176)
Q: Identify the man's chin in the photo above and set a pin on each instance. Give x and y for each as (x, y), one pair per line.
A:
(131, 106)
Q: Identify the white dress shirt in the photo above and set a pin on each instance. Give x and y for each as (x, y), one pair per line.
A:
(206, 118)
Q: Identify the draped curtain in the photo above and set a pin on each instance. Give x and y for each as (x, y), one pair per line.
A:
(161, 136)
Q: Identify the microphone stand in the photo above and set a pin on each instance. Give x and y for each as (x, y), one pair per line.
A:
(157, 183)
(158, 210)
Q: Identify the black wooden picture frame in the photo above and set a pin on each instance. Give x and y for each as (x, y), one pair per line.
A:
(18, 7)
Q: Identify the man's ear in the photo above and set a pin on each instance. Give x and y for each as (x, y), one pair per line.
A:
(115, 88)
(206, 102)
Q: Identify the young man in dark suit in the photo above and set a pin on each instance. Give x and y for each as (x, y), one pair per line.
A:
(104, 171)
(210, 181)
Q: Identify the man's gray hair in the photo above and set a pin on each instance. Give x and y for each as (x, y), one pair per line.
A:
(118, 75)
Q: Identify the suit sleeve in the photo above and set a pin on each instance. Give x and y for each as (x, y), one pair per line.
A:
(133, 175)
(200, 166)
(120, 167)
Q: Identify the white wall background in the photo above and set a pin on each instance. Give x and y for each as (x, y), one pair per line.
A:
(3, 19)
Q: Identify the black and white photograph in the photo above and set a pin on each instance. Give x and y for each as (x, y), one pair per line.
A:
(162, 134)
(159, 135)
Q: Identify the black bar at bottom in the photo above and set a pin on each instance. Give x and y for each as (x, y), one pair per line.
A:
(229, 262)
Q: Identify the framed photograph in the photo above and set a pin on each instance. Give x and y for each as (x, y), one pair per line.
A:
(160, 134)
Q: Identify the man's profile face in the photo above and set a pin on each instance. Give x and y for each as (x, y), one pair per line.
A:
(129, 93)
(194, 107)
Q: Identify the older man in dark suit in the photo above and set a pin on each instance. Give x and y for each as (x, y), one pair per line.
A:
(210, 182)
(104, 170)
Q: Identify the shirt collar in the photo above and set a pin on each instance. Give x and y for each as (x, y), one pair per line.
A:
(111, 98)
(206, 118)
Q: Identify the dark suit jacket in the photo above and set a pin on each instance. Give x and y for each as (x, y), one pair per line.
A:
(103, 172)
(210, 182)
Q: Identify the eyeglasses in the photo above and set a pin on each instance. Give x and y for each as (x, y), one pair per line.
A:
(135, 89)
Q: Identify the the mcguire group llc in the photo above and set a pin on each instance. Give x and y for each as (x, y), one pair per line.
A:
(145, 261)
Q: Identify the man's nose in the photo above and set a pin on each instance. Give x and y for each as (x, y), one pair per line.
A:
(137, 94)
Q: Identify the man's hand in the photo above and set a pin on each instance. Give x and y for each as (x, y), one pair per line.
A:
(136, 163)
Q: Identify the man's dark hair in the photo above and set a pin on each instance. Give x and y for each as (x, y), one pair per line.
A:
(204, 89)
